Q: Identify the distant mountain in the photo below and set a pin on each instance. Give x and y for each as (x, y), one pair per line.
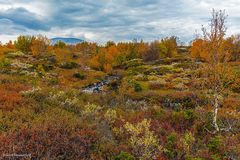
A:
(66, 40)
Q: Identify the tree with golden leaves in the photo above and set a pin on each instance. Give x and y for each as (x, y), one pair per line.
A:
(40, 45)
(218, 75)
(197, 50)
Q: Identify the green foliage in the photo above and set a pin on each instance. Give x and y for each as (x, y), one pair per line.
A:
(23, 44)
(79, 76)
(137, 87)
(69, 65)
(5, 63)
(170, 150)
(40, 70)
(214, 144)
(125, 156)
(168, 47)
(60, 44)
(143, 141)
(189, 114)
(216, 157)
(133, 63)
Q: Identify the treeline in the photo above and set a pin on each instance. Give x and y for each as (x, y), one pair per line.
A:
(103, 57)
(106, 57)
(229, 45)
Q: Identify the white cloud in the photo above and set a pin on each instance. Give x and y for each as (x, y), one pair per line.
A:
(105, 20)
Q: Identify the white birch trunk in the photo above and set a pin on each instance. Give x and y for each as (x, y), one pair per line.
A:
(215, 113)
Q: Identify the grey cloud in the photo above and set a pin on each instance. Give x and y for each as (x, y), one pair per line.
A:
(116, 20)
(20, 16)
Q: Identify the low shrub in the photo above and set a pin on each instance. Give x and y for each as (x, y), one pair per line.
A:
(214, 144)
(79, 76)
(137, 87)
(158, 84)
(181, 100)
(125, 156)
(69, 65)
(49, 142)
(5, 63)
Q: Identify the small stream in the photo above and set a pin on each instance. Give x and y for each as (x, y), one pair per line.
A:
(98, 86)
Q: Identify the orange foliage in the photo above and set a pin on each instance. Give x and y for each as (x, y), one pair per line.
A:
(40, 45)
(197, 50)
(10, 96)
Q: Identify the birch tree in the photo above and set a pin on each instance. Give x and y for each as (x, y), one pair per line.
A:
(218, 76)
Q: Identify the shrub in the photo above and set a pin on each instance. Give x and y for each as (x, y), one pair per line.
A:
(91, 110)
(137, 87)
(143, 141)
(214, 144)
(180, 86)
(49, 142)
(187, 142)
(110, 115)
(163, 69)
(69, 65)
(189, 114)
(10, 96)
(79, 76)
(181, 100)
(5, 63)
(170, 150)
(133, 63)
(125, 156)
(159, 84)
(66, 99)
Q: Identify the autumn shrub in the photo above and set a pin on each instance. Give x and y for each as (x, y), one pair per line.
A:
(163, 69)
(50, 143)
(91, 110)
(158, 84)
(37, 94)
(236, 87)
(10, 96)
(110, 115)
(179, 87)
(54, 81)
(182, 120)
(141, 77)
(185, 65)
(130, 104)
(133, 63)
(67, 99)
(181, 100)
(186, 144)
(11, 121)
(143, 141)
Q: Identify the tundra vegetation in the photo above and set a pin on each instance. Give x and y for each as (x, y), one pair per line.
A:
(122, 101)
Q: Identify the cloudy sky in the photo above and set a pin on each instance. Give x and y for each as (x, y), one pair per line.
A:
(118, 20)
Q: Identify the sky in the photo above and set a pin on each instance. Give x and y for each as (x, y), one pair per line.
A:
(117, 20)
